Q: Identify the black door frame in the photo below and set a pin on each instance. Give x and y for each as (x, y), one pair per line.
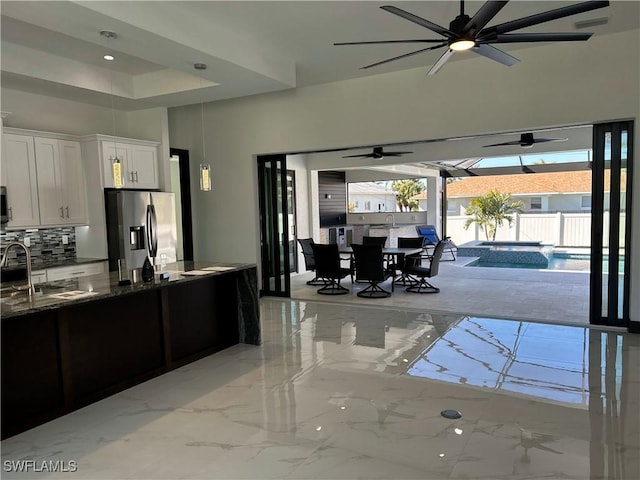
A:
(274, 234)
(613, 314)
(185, 199)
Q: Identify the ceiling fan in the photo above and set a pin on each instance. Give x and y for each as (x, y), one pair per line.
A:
(527, 140)
(469, 33)
(378, 153)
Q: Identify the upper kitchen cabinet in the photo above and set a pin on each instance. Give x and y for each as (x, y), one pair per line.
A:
(19, 176)
(138, 163)
(61, 185)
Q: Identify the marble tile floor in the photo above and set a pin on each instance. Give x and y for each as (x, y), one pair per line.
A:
(511, 293)
(346, 393)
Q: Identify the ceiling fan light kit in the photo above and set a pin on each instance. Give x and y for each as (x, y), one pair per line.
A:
(472, 33)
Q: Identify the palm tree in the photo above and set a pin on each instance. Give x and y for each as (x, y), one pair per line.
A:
(405, 190)
(491, 210)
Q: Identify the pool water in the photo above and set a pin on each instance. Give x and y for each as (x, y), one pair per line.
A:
(572, 262)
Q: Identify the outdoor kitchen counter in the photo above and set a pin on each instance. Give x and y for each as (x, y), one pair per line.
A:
(59, 354)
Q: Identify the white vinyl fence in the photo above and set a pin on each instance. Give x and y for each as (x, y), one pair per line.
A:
(561, 229)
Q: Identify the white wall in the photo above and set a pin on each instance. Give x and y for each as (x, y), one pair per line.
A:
(568, 84)
(48, 114)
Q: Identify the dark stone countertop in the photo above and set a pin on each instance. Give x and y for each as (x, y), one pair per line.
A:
(37, 264)
(52, 295)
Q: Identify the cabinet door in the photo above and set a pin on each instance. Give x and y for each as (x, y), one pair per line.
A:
(74, 192)
(144, 166)
(49, 182)
(19, 176)
(111, 151)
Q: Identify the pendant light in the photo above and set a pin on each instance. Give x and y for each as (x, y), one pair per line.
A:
(205, 168)
(116, 163)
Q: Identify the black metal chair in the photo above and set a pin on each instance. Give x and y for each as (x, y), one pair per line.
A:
(309, 260)
(374, 241)
(422, 286)
(370, 268)
(405, 279)
(431, 239)
(327, 258)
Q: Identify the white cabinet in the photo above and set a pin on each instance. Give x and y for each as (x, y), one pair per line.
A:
(138, 164)
(62, 273)
(19, 176)
(61, 186)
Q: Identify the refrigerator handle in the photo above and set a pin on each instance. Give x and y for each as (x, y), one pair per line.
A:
(152, 237)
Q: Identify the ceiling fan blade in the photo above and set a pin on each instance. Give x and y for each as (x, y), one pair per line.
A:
(545, 17)
(402, 56)
(395, 154)
(540, 37)
(358, 156)
(515, 142)
(495, 54)
(389, 41)
(419, 20)
(545, 140)
(482, 17)
(440, 63)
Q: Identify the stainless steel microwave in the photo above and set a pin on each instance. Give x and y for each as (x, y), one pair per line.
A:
(4, 217)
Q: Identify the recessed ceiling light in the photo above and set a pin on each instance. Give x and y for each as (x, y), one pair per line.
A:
(109, 57)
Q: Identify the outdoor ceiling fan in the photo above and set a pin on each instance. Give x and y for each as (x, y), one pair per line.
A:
(527, 140)
(378, 153)
(469, 33)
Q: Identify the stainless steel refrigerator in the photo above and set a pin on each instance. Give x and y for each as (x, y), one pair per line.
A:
(140, 224)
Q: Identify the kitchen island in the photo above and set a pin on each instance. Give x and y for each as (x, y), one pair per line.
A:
(84, 339)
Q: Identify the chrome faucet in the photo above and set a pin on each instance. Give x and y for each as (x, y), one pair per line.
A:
(393, 220)
(30, 289)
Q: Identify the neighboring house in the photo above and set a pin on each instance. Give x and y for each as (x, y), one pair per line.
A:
(370, 197)
(568, 192)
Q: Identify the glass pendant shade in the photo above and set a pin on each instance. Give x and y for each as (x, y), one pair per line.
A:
(205, 177)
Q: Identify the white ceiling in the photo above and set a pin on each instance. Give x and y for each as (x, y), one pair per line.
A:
(54, 48)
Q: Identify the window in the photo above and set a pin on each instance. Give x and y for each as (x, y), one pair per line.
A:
(451, 206)
(586, 202)
(536, 203)
(381, 196)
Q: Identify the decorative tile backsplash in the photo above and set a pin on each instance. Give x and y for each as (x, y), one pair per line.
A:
(46, 245)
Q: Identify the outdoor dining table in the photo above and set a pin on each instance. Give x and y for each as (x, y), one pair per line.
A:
(388, 251)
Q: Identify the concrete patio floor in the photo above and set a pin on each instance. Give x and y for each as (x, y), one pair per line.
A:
(549, 296)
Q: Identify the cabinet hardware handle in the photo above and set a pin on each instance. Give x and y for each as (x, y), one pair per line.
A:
(10, 213)
(67, 208)
(131, 177)
(136, 172)
(75, 274)
(61, 212)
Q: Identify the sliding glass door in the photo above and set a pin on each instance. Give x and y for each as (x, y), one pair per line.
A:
(611, 227)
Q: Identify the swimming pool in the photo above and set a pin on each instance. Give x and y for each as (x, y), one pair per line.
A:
(557, 261)
(533, 254)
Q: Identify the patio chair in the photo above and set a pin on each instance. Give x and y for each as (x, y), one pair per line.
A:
(374, 241)
(431, 239)
(327, 258)
(405, 261)
(370, 268)
(309, 260)
(422, 286)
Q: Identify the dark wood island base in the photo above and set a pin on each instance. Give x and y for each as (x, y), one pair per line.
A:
(60, 357)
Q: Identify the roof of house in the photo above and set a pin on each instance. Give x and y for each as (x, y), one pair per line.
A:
(521, 184)
(368, 188)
